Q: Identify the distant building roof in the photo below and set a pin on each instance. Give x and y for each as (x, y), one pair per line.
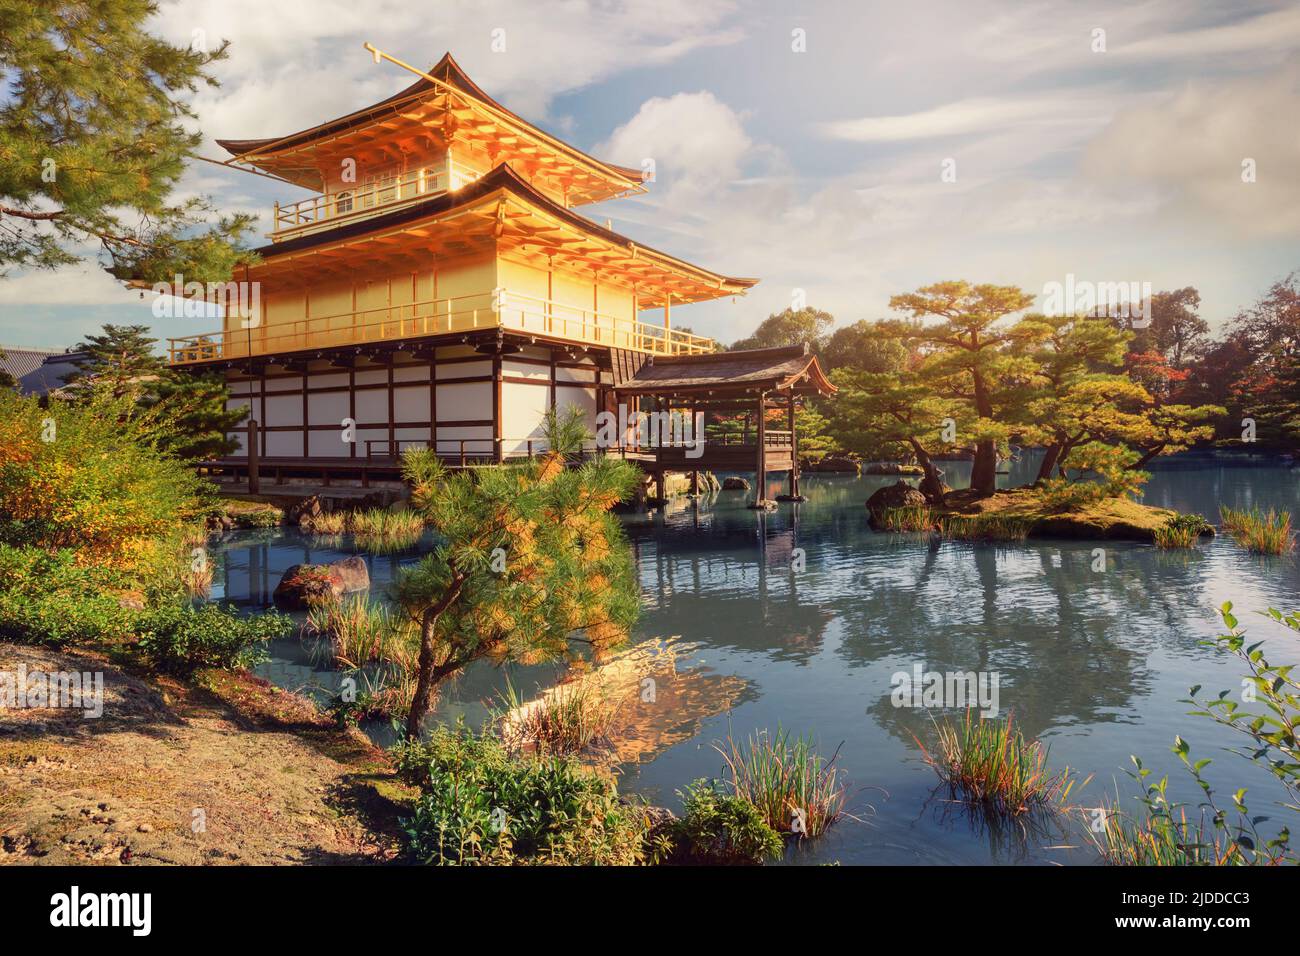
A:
(39, 371)
(19, 361)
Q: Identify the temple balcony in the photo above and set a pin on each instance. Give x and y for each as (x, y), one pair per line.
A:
(363, 200)
(501, 309)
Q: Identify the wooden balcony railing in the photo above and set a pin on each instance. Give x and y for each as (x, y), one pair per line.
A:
(365, 199)
(498, 309)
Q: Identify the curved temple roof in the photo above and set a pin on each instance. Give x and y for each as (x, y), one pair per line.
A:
(276, 153)
(489, 189)
(777, 369)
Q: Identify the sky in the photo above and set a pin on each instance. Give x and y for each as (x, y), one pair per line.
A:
(840, 152)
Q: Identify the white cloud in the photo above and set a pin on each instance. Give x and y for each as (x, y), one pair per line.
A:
(695, 142)
(1189, 147)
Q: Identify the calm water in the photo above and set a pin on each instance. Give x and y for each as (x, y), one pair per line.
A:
(1093, 662)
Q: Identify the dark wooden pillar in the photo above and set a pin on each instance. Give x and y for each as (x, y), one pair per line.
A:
(498, 453)
(759, 484)
(254, 454)
(794, 447)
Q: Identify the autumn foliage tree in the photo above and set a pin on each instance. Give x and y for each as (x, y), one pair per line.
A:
(531, 565)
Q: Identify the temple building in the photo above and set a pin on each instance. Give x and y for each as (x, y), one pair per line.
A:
(440, 289)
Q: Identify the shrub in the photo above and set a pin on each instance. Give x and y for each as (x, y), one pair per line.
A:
(479, 805)
(717, 828)
(990, 763)
(181, 638)
(93, 477)
(49, 598)
(1180, 531)
(793, 789)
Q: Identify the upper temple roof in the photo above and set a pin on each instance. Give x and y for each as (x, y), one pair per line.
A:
(444, 109)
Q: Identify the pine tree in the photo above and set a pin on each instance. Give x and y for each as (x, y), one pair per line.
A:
(93, 143)
(531, 564)
(122, 359)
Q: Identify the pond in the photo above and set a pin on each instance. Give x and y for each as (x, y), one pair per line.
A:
(801, 617)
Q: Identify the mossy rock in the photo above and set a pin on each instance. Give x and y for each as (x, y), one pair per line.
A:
(1114, 519)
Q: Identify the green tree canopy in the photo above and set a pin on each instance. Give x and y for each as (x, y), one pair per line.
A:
(93, 143)
(122, 360)
(791, 327)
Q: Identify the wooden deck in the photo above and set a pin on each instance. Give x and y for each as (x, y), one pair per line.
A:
(712, 456)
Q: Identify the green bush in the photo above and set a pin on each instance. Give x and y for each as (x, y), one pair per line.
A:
(181, 638)
(479, 805)
(50, 599)
(718, 828)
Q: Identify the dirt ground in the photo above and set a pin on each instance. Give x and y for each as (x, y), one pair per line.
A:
(232, 771)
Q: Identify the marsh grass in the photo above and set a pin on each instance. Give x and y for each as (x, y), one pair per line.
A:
(794, 789)
(197, 579)
(1259, 531)
(376, 529)
(906, 519)
(331, 522)
(985, 527)
(571, 719)
(1180, 531)
(380, 522)
(1168, 838)
(361, 632)
(989, 763)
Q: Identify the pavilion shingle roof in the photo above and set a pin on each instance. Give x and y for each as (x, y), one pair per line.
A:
(777, 368)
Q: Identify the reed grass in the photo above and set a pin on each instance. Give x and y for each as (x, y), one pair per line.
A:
(380, 522)
(990, 764)
(331, 522)
(361, 632)
(794, 789)
(905, 519)
(197, 581)
(985, 527)
(1259, 531)
(566, 721)
(1164, 839)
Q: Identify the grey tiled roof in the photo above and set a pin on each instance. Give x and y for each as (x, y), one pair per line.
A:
(19, 361)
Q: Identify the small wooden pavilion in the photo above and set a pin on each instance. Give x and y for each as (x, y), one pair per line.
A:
(753, 383)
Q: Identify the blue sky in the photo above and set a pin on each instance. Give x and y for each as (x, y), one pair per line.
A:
(816, 169)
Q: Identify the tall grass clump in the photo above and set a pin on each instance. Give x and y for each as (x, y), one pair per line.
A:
(985, 527)
(362, 632)
(330, 522)
(566, 721)
(989, 763)
(1169, 839)
(380, 522)
(1180, 531)
(905, 519)
(1259, 531)
(794, 789)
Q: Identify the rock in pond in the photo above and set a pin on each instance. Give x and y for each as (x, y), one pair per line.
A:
(735, 483)
(899, 495)
(303, 583)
